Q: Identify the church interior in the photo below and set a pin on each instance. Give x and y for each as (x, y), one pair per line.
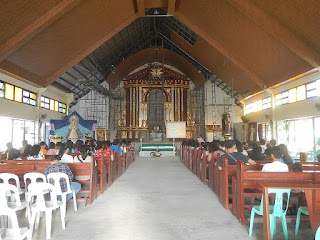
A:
(163, 87)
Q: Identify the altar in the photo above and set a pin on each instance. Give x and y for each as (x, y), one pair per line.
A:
(154, 96)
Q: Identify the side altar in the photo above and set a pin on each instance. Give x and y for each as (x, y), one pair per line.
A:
(155, 95)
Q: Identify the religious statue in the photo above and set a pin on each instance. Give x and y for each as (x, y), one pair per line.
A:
(73, 133)
(226, 127)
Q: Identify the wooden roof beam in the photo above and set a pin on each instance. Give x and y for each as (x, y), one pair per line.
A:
(278, 31)
(214, 43)
(141, 8)
(22, 74)
(35, 27)
(171, 6)
(89, 50)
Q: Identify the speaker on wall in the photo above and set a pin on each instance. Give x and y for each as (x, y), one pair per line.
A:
(245, 119)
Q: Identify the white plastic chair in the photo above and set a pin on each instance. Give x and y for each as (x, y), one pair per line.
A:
(6, 177)
(32, 177)
(9, 209)
(56, 176)
(39, 190)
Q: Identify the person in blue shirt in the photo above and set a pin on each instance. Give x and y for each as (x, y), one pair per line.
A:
(115, 146)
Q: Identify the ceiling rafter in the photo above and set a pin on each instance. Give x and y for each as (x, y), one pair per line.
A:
(235, 59)
(141, 8)
(277, 30)
(21, 37)
(171, 6)
(89, 50)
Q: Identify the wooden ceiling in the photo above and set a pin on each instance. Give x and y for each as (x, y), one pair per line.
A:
(254, 43)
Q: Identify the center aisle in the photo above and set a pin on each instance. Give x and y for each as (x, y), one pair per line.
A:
(157, 198)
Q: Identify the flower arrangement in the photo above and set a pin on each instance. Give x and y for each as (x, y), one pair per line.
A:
(88, 135)
(55, 136)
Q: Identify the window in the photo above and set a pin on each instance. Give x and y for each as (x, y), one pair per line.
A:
(258, 105)
(301, 93)
(1, 90)
(266, 103)
(29, 97)
(313, 89)
(292, 95)
(9, 91)
(53, 105)
(17, 94)
(282, 98)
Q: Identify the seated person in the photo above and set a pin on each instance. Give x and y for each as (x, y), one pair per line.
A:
(256, 153)
(233, 157)
(43, 149)
(63, 153)
(24, 144)
(115, 146)
(27, 151)
(83, 157)
(276, 165)
(13, 154)
(271, 145)
(54, 148)
(239, 148)
(57, 166)
(105, 151)
(263, 145)
(285, 155)
(35, 153)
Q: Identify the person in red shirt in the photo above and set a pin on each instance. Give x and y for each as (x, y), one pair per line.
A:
(105, 150)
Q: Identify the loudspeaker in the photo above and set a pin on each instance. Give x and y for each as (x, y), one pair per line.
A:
(245, 119)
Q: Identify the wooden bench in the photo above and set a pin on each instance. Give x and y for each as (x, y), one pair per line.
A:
(244, 181)
(224, 179)
(21, 167)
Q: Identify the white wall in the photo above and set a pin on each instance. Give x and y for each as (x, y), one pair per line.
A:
(304, 108)
(221, 98)
(23, 111)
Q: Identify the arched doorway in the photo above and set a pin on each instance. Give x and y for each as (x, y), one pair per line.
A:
(155, 118)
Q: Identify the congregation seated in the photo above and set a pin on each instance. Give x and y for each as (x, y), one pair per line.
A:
(43, 148)
(271, 145)
(239, 148)
(232, 156)
(69, 145)
(285, 158)
(83, 155)
(77, 146)
(63, 153)
(276, 165)
(115, 146)
(104, 150)
(263, 145)
(35, 153)
(256, 153)
(214, 150)
(24, 144)
(54, 148)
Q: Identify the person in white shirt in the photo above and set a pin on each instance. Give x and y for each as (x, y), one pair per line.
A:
(263, 145)
(276, 165)
(63, 153)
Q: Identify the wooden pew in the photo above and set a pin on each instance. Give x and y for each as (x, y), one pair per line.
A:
(245, 180)
(78, 169)
(225, 179)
